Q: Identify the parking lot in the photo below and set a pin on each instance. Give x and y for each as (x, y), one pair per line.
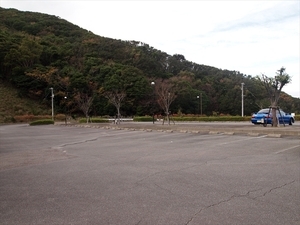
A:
(108, 175)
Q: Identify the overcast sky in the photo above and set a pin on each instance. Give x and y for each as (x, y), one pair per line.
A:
(252, 37)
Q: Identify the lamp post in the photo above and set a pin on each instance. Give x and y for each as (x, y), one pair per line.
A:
(52, 107)
(198, 97)
(242, 99)
(200, 104)
(65, 109)
(152, 84)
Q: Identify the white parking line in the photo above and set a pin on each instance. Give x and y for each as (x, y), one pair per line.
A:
(284, 150)
(240, 140)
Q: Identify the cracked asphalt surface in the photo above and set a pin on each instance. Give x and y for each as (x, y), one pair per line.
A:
(76, 175)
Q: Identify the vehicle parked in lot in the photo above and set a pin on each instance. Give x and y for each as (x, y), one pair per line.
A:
(264, 117)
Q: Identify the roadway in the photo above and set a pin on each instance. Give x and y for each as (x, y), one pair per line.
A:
(117, 175)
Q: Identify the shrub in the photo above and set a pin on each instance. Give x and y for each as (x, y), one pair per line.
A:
(143, 119)
(9, 119)
(60, 117)
(29, 118)
(41, 122)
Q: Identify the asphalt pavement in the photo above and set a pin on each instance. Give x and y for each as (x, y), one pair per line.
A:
(155, 174)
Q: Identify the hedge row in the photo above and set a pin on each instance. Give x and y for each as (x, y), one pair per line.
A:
(29, 118)
(41, 122)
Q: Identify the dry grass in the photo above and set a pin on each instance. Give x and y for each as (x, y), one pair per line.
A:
(12, 105)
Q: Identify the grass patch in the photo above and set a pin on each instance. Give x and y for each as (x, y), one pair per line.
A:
(41, 122)
(143, 119)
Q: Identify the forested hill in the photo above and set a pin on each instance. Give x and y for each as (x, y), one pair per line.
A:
(39, 51)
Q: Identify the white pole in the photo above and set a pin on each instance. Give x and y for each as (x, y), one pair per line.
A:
(242, 99)
(52, 107)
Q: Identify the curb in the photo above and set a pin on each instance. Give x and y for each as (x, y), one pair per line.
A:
(195, 130)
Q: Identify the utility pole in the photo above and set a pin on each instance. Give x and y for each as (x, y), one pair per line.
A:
(242, 99)
(52, 107)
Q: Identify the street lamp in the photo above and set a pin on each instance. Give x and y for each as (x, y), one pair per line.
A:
(52, 107)
(242, 98)
(65, 109)
(152, 84)
(198, 97)
(200, 103)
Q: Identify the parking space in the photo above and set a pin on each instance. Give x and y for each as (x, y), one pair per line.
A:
(74, 175)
